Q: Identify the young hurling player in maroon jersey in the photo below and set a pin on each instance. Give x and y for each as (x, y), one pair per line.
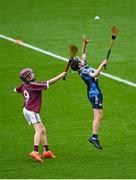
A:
(32, 93)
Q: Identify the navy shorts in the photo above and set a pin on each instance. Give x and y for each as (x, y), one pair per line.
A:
(96, 101)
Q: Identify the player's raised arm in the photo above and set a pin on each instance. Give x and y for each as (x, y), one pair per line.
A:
(97, 71)
(60, 76)
(84, 47)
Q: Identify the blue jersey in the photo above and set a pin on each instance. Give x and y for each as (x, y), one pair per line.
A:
(92, 83)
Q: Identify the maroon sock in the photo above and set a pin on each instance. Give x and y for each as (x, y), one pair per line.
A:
(45, 147)
(36, 148)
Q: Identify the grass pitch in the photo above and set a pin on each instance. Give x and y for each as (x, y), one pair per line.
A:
(66, 112)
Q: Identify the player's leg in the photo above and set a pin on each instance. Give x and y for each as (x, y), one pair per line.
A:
(96, 102)
(98, 114)
(96, 124)
(44, 137)
(46, 152)
(33, 118)
(37, 137)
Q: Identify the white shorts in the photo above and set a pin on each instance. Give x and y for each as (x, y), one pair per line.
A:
(31, 117)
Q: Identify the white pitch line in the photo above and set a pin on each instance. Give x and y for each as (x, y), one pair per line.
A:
(17, 41)
(119, 79)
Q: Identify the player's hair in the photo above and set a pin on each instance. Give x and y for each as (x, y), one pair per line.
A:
(74, 64)
(24, 73)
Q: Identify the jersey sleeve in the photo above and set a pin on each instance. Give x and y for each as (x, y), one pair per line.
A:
(39, 86)
(18, 89)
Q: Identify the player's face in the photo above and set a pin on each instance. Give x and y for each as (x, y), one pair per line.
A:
(81, 64)
(31, 77)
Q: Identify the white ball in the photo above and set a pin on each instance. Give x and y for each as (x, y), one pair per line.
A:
(97, 18)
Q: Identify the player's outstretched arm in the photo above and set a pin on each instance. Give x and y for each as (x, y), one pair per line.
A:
(60, 76)
(100, 68)
(84, 47)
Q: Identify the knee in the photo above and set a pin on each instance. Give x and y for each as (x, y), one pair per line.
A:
(99, 117)
(38, 131)
(43, 131)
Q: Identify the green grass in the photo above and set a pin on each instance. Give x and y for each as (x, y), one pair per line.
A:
(66, 112)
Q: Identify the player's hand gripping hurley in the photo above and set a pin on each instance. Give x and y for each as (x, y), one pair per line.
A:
(73, 51)
(115, 32)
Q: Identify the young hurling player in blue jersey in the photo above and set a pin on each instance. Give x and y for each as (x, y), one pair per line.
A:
(90, 77)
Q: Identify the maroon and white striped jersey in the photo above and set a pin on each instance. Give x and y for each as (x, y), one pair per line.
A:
(32, 93)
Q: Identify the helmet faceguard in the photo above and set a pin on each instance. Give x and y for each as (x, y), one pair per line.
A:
(25, 73)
